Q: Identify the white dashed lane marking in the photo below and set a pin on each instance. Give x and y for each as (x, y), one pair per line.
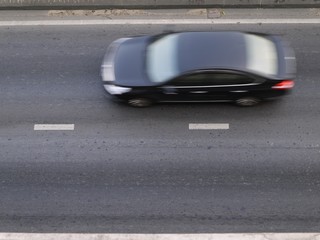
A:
(208, 126)
(53, 127)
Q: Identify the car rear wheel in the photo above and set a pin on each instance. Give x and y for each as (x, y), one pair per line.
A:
(140, 102)
(247, 101)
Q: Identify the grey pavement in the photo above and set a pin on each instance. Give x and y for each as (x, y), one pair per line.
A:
(141, 170)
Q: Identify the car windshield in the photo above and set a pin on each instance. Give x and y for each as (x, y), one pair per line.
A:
(162, 59)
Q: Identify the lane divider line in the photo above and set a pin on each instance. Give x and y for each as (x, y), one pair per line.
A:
(157, 21)
(204, 236)
(208, 126)
(53, 127)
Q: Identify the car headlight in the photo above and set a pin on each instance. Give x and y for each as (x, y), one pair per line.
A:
(116, 90)
(107, 72)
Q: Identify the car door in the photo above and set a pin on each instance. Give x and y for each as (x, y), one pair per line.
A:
(191, 88)
(217, 85)
(228, 85)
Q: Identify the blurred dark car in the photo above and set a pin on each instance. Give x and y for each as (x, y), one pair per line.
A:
(239, 67)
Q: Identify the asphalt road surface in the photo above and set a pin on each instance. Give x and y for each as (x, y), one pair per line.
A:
(130, 170)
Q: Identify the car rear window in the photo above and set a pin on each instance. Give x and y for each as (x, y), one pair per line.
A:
(261, 55)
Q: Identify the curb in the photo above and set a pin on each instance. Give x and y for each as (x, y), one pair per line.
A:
(153, 4)
(222, 236)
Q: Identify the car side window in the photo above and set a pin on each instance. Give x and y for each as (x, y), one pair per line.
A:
(215, 79)
(191, 80)
(229, 79)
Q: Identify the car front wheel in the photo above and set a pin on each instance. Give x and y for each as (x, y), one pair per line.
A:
(247, 101)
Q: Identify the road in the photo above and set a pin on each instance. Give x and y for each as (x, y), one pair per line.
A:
(130, 170)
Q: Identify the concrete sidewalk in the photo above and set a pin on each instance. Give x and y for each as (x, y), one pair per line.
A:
(153, 4)
(199, 14)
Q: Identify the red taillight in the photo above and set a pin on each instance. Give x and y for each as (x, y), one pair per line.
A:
(285, 84)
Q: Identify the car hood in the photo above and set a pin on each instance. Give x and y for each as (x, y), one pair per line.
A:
(129, 63)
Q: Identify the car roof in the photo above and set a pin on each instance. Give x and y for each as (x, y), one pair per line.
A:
(207, 50)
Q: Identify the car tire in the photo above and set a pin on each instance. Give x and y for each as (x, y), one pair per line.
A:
(247, 101)
(140, 102)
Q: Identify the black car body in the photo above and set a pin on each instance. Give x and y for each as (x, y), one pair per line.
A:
(199, 67)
